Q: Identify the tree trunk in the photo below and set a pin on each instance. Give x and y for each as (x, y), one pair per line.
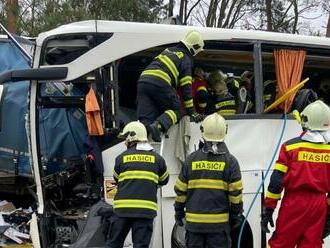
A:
(328, 27)
(296, 15)
(269, 15)
(12, 13)
(222, 14)
(209, 14)
(181, 11)
(170, 8)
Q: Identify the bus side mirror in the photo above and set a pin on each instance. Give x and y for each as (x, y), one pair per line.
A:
(47, 73)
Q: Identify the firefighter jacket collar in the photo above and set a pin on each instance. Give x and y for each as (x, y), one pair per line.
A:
(215, 148)
(144, 146)
(316, 137)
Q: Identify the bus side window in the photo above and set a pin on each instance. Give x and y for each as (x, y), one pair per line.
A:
(231, 63)
(315, 68)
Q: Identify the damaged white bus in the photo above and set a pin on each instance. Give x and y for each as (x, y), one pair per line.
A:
(109, 57)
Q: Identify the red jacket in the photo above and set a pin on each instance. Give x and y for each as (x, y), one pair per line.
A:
(199, 94)
(302, 166)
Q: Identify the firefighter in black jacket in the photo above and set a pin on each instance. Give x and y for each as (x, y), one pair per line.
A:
(209, 190)
(138, 171)
(158, 105)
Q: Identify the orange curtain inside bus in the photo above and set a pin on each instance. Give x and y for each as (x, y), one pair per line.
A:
(289, 65)
(93, 115)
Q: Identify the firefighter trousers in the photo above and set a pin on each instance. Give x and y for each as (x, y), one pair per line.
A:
(300, 221)
(119, 228)
(210, 240)
(157, 102)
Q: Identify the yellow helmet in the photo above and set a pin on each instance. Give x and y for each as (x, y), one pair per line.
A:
(214, 128)
(316, 116)
(134, 131)
(194, 42)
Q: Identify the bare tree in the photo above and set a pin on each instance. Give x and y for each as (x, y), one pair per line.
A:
(328, 27)
(170, 8)
(185, 10)
(220, 13)
(269, 15)
(12, 14)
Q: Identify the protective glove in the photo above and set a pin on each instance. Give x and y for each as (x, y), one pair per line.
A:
(179, 215)
(196, 117)
(267, 217)
(326, 230)
(235, 221)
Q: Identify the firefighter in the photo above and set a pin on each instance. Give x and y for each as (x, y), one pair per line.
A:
(138, 171)
(303, 171)
(221, 101)
(269, 92)
(209, 190)
(158, 105)
(199, 90)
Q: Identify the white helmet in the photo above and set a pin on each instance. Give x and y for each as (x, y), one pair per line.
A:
(316, 116)
(214, 128)
(134, 131)
(194, 42)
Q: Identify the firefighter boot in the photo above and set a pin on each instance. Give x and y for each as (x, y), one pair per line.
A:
(155, 131)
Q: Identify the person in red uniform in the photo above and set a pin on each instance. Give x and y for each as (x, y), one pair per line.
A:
(303, 171)
(199, 90)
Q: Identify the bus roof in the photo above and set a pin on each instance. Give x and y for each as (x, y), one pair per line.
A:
(177, 31)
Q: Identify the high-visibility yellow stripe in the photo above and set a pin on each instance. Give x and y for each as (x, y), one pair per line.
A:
(185, 80)
(227, 112)
(207, 184)
(158, 73)
(224, 104)
(181, 185)
(267, 82)
(308, 145)
(189, 103)
(273, 196)
(202, 105)
(130, 203)
(136, 174)
(179, 54)
(181, 198)
(267, 97)
(207, 218)
(200, 88)
(235, 186)
(170, 65)
(281, 167)
(172, 116)
(236, 199)
(115, 175)
(164, 176)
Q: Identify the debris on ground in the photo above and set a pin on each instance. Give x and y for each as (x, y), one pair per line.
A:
(14, 225)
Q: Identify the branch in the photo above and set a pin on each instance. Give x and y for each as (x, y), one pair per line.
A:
(189, 12)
